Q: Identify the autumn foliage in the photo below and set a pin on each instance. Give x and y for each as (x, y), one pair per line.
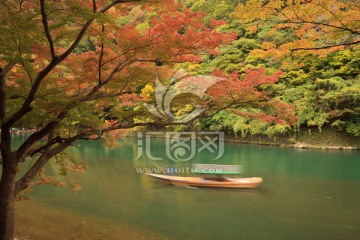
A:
(243, 96)
(321, 26)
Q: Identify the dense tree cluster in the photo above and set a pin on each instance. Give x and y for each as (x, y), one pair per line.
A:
(315, 43)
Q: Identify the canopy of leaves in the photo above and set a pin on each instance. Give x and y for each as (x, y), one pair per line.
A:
(316, 45)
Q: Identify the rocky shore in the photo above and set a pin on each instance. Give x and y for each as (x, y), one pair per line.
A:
(298, 145)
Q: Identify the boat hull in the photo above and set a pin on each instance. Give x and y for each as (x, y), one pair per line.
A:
(203, 182)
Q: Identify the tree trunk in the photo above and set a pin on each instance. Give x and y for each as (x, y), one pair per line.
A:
(7, 204)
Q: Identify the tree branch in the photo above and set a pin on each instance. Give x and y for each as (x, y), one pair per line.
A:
(118, 68)
(205, 114)
(334, 15)
(101, 54)
(26, 107)
(94, 6)
(40, 134)
(46, 28)
(53, 124)
(3, 73)
(323, 24)
(326, 47)
(24, 182)
(50, 143)
(302, 21)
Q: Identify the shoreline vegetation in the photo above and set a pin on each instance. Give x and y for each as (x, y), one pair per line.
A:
(327, 139)
(311, 138)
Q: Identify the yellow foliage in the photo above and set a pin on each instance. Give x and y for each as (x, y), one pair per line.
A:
(185, 109)
(252, 29)
(194, 67)
(147, 91)
(268, 45)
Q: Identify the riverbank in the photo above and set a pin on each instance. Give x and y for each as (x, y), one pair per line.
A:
(327, 139)
(36, 221)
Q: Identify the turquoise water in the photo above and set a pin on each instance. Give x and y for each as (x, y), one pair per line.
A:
(306, 194)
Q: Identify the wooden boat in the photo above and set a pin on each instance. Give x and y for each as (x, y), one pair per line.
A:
(222, 182)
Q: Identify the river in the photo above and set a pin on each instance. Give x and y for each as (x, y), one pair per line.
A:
(306, 194)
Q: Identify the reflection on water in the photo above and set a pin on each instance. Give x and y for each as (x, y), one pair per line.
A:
(305, 195)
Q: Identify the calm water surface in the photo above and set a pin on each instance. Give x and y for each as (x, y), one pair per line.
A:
(306, 194)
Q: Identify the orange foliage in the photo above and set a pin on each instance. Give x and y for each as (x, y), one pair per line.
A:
(233, 93)
(321, 26)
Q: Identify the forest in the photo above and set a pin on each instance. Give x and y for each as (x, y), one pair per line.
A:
(316, 46)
